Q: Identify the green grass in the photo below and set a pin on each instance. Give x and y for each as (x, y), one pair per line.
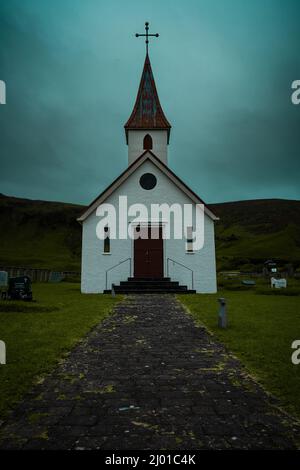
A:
(260, 333)
(289, 291)
(39, 334)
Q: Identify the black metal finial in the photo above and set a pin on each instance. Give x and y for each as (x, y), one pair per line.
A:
(146, 35)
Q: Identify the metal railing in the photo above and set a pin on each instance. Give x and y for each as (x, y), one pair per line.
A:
(183, 266)
(115, 266)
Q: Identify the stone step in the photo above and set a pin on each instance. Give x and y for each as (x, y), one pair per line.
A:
(146, 284)
(150, 286)
(151, 291)
(148, 279)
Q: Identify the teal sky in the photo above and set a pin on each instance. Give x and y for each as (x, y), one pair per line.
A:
(223, 70)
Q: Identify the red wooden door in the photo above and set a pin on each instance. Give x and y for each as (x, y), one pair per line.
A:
(148, 253)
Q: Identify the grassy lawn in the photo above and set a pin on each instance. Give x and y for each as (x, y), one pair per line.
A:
(261, 331)
(38, 334)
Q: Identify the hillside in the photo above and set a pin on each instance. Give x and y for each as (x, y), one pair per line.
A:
(250, 232)
(39, 234)
(46, 234)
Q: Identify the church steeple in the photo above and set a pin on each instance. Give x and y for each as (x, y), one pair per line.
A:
(147, 118)
(147, 112)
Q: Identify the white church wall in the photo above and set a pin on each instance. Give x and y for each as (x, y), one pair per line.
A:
(95, 263)
(159, 140)
(201, 262)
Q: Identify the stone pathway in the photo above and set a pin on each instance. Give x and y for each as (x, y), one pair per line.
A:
(148, 378)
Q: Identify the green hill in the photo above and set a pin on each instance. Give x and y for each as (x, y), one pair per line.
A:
(39, 234)
(250, 232)
(44, 234)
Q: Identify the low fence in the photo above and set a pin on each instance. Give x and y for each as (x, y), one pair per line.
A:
(36, 275)
(233, 274)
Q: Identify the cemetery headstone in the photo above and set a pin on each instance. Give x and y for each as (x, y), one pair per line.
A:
(278, 283)
(2, 352)
(56, 276)
(248, 282)
(3, 283)
(3, 279)
(19, 288)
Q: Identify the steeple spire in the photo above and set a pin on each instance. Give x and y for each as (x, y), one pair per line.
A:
(147, 112)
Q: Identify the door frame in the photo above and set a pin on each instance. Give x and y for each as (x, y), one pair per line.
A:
(144, 224)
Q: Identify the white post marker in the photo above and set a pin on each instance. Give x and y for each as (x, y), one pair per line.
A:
(296, 354)
(2, 92)
(222, 316)
(2, 352)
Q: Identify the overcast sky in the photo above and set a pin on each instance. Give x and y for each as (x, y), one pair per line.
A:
(223, 70)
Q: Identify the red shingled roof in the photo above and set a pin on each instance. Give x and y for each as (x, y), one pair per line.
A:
(147, 112)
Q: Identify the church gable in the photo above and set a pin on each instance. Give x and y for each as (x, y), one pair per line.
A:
(147, 156)
(147, 185)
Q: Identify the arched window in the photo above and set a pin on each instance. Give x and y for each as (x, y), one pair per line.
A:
(189, 240)
(106, 248)
(147, 142)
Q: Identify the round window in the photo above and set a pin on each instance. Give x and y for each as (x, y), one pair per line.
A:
(148, 181)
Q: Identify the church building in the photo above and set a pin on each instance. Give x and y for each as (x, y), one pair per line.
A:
(148, 261)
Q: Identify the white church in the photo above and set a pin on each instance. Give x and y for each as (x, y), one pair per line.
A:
(148, 261)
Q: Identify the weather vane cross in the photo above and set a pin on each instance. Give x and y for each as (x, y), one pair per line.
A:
(147, 35)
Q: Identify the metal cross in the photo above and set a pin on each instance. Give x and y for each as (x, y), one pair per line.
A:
(146, 35)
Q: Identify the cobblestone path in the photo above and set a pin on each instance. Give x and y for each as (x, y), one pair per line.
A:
(148, 378)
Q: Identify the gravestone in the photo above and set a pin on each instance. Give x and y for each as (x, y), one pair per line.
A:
(248, 282)
(2, 353)
(56, 276)
(3, 279)
(3, 283)
(278, 283)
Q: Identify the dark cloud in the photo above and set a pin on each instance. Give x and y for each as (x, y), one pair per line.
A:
(72, 70)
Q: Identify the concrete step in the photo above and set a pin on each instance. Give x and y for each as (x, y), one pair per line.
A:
(149, 279)
(151, 291)
(147, 284)
(150, 286)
